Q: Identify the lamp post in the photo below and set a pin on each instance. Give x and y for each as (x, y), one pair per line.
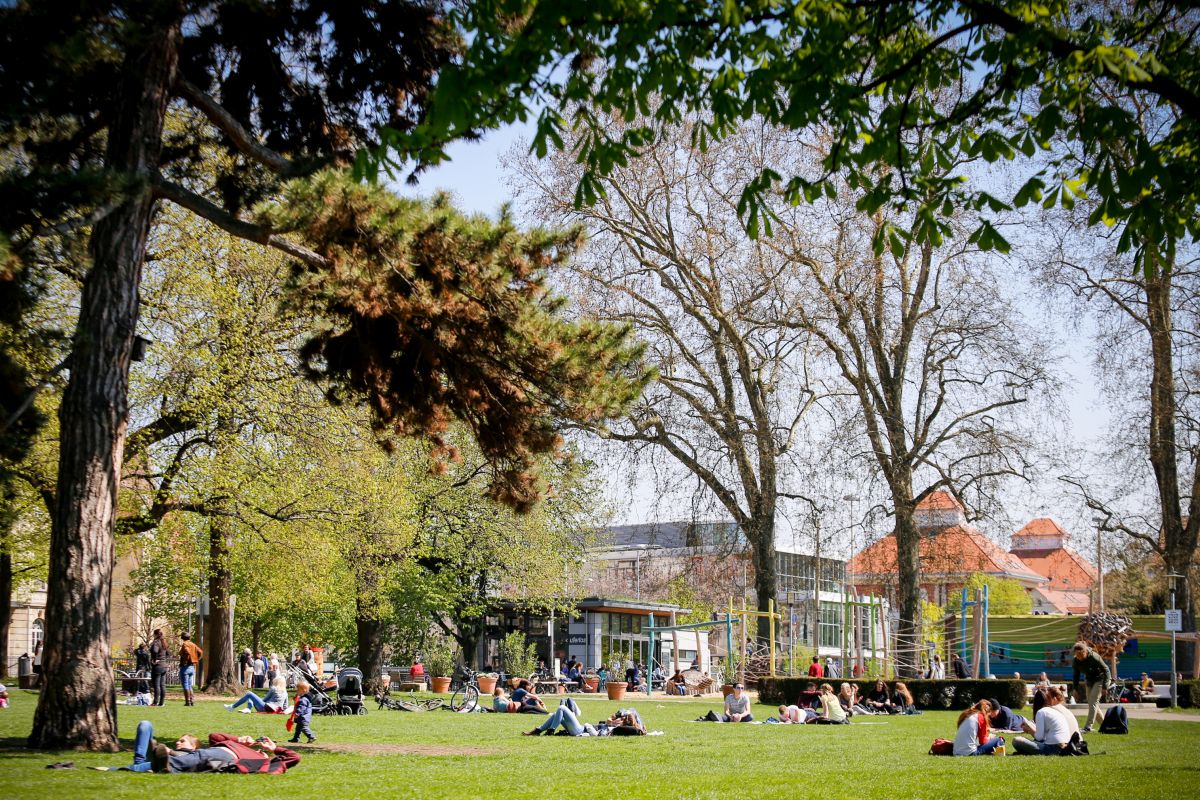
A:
(1174, 626)
(1099, 523)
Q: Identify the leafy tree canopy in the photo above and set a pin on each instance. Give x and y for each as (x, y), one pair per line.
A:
(906, 90)
(1005, 595)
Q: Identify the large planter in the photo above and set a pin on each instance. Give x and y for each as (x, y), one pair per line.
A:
(487, 684)
(616, 689)
(441, 685)
(591, 683)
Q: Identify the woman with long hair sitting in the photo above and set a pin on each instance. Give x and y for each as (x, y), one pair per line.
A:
(972, 738)
(274, 703)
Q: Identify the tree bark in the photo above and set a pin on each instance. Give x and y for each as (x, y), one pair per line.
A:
(762, 550)
(6, 589)
(370, 650)
(77, 707)
(908, 568)
(1179, 537)
(223, 677)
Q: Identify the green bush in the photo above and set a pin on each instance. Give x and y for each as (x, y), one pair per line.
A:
(946, 694)
(439, 657)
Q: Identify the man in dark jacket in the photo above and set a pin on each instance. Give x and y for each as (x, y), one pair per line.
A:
(1095, 676)
(959, 666)
(225, 753)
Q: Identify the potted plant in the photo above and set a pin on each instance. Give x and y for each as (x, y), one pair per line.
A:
(439, 660)
(518, 656)
(487, 682)
(616, 689)
(591, 682)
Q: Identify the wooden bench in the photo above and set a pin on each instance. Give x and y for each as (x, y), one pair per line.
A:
(403, 681)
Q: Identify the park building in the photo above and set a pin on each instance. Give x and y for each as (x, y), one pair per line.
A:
(708, 564)
(1056, 577)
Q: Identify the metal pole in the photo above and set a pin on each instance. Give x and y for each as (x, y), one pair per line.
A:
(1100, 569)
(987, 654)
(650, 666)
(742, 663)
(962, 642)
(729, 642)
(771, 619)
(1174, 672)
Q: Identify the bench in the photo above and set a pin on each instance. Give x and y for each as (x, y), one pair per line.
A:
(403, 681)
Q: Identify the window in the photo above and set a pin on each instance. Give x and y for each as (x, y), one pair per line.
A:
(37, 633)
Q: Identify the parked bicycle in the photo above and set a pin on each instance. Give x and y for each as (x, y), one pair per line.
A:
(466, 696)
(408, 703)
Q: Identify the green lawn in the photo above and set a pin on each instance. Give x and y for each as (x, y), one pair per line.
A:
(440, 754)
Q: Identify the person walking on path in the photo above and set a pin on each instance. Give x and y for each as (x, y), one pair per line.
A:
(1091, 666)
(189, 659)
(158, 668)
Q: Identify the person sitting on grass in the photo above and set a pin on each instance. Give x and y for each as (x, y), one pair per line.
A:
(879, 700)
(274, 703)
(225, 753)
(302, 713)
(848, 697)
(626, 722)
(737, 705)
(3, 696)
(832, 710)
(903, 700)
(972, 738)
(1055, 725)
(527, 702)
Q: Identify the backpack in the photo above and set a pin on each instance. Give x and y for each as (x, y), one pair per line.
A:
(1115, 721)
(941, 747)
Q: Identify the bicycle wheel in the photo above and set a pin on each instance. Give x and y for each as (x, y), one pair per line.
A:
(465, 699)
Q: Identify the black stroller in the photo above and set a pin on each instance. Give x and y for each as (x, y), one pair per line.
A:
(350, 692)
(318, 695)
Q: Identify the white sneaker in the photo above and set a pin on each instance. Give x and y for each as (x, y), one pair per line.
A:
(228, 706)
(247, 710)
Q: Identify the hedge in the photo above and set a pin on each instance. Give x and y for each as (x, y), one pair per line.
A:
(945, 694)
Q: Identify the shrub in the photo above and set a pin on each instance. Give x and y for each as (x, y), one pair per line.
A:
(520, 659)
(439, 657)
(945, 694)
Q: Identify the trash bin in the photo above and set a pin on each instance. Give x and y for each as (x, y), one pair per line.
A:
(25, 672)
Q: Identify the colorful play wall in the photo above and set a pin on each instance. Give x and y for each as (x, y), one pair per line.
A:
(1034, 644)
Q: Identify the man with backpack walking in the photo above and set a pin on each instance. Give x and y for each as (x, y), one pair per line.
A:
(1096, 676)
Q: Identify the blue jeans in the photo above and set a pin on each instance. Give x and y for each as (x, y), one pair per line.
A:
(567, 715)
(254, 700)
(987, 747)
(141, 747)
(187, 676)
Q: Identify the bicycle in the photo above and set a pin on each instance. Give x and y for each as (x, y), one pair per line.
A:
(466, 696)
(410, 703)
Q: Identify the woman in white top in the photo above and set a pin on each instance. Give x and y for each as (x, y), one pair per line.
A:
(1054, 727)
(937, 670)
(792, 715)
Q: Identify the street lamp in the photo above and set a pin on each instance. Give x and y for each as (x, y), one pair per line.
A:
(1099, 523)
(1173, 622)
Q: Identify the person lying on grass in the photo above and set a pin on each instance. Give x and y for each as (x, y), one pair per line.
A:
(274, 703)
(1053, 731)
(502, 704)
(1004, 718)
(626, 722)
(527, 702)
(225, 753)
(973, 737)
(795, 715)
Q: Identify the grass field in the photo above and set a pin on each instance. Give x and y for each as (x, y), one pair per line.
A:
(393, 754)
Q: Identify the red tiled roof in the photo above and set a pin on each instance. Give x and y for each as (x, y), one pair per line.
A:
(1042, 526)
(939, 501)
(1065, 569)
(953, 550)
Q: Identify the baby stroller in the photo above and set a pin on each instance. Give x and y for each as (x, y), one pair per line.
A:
(350, 692)
(318, 695)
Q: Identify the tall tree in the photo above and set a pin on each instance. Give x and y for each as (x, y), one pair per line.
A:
(284, 89)
(871, 72)
(666, 253)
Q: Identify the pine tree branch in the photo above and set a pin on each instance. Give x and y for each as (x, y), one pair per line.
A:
(231, 224)
(242, 139)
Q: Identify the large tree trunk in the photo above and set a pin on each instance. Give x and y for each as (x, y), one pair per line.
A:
(1178, 536)
(77, 707)
(223, 677)
(6, 588)
(368, 626)
(762, 544)
(908, 568)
